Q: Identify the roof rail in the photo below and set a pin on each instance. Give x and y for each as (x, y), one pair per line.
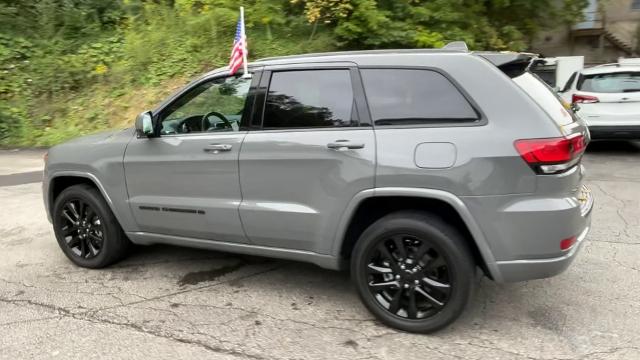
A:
(456, 45)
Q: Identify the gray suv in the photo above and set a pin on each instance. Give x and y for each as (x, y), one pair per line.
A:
(413, 168)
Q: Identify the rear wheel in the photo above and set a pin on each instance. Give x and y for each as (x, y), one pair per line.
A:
(413, 271)
(86, 229)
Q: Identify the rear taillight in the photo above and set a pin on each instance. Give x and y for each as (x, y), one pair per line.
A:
(551, 155)
(583, 99)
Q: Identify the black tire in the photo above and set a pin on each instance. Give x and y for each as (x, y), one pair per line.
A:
(87, 231)
(401, 303)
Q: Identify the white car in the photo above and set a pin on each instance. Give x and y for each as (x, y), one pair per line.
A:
(608, 98)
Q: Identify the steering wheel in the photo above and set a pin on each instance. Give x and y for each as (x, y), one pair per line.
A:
(226, 121)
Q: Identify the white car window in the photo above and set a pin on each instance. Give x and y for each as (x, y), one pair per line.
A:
(617, 82)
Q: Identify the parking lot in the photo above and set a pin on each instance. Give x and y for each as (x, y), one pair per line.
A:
(168, 302)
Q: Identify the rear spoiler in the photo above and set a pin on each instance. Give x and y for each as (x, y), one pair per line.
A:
(511, 63)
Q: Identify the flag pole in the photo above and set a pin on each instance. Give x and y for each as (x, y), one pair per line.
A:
(244, 45)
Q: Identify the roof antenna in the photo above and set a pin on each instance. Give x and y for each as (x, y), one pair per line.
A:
(456, 45)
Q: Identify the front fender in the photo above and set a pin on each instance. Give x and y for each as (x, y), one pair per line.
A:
(119, 208)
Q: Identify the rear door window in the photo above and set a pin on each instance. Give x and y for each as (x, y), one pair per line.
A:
(412, 96)
(310, 99)
(618, 82)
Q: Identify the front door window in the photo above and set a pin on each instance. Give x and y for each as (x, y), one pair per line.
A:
(213, 106)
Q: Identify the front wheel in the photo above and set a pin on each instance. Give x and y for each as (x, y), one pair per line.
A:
(413, 271)
(86, 229)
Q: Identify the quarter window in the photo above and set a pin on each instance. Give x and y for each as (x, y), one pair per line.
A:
(410, 97)
(310, 98)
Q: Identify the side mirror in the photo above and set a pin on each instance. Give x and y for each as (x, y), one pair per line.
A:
(144, 124)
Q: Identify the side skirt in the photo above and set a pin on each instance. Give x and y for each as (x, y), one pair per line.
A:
(324, 261)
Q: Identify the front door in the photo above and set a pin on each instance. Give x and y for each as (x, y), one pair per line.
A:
(311, 153)
(185, 182)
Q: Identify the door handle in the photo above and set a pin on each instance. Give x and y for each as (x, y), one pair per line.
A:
(216, 148)
(341, 145)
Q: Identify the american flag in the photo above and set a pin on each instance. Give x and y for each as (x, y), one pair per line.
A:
(239, 47)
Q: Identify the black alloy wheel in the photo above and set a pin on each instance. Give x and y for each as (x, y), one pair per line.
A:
(413, 270)
(87, 231)
(82, 229)
(408, 277)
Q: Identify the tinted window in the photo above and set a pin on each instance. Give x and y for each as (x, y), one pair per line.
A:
(611, 83)
(311, 98)
(213, 106)
(404, 97)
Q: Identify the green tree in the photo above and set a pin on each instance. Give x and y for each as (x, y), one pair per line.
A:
(484, 24)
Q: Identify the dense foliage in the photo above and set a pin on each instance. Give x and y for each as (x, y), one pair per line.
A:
(69, 67)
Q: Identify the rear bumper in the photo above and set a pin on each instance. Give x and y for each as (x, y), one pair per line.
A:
(524, 232)
(521, 270)
(615, 132)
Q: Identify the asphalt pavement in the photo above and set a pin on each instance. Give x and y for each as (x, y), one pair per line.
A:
(174, 303)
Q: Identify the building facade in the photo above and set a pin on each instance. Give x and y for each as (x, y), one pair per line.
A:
(610, 30)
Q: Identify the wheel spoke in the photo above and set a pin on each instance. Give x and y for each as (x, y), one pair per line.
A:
(89, 215)
(394, 305)
(412, 308)
(83, 248)
(422, 251)
(378, 269)
(430, 298)
(92, 248)
(68, 217)
(74, 211)
(387, 255)
(384, 285)
(435, 263)
(75, 241)
(399, 242)
(68, 230)
(436, 284)
(95, 238)
(82, 207)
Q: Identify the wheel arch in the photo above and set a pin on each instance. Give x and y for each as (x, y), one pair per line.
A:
(62, 180)
(370, 205)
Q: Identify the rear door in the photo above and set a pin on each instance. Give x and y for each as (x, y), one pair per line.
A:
(310, 151)
(611, 98)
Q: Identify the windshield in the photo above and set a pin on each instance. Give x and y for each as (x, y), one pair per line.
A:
(618, 82)
(542, 94)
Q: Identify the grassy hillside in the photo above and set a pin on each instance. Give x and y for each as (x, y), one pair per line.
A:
(71, 67)
(89, 77)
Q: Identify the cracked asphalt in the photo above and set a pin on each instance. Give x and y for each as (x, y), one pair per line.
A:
(173, 303)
